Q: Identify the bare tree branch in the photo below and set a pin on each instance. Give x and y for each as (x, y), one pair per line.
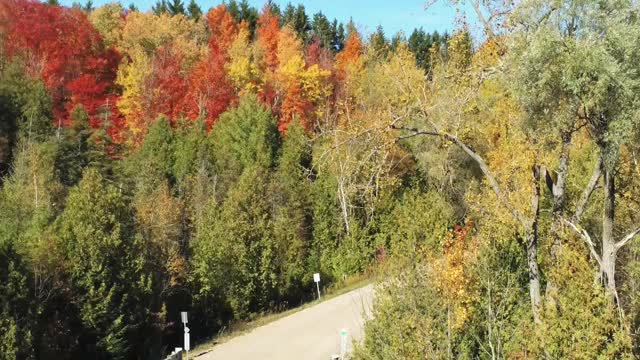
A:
(485, 23)
(627, 238)
(477, 158)
(586, 237)
(588, 190)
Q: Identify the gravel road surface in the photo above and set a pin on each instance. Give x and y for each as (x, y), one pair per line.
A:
(310, 334)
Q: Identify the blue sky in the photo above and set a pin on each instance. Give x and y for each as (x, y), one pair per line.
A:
(393, 15)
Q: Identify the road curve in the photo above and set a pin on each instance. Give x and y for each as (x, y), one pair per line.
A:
(311, 334)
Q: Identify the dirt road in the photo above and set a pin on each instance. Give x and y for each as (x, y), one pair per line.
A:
(310, 334)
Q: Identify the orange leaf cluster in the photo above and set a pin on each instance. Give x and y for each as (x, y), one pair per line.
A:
(223, 27)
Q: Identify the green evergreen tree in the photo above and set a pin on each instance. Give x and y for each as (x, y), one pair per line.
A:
(25, 111)
(301, 23)
(195, 12)
(96, 230)
(244, 136)
(234, 240)
(378, 43)
(246, 215)
(175, 7)
(288, 15)
(234, 252)
(192, 151)
(339, 36)
(234, 9)
(419, 44)
(321, 29)
(351, 28)
(243, 11)
(78, 149)
(275, 9)
(160, 7)
(327, 224)
(88, 6)
(292, 213)
(153, 163)
(17, 317)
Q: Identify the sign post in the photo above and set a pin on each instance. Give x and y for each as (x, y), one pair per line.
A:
(316, 279)
(343, 343)
(187, 339)
(187, 342)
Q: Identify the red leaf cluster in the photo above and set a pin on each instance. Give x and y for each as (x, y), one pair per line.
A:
(314, 54)
(210, 92)
(61, 46)
(167, 84)
(223, 27)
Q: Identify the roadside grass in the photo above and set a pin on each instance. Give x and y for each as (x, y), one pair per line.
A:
(243, 327)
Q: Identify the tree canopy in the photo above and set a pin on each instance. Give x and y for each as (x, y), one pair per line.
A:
(213, 160)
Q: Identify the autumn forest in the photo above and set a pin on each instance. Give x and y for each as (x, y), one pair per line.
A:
(212, 160)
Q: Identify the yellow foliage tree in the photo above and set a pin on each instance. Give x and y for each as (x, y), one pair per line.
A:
(241, 68)
(289, 46)
(146, 32)
(451, 275)
(302, 88)
(142, 35)
(109, 21)
(131, 77)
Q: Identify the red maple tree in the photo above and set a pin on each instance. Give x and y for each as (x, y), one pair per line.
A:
(209, 91)
(167, 85)
(61, 46)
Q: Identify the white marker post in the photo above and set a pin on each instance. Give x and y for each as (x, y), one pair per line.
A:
(316, 279)
(187, 340)
(343, 343)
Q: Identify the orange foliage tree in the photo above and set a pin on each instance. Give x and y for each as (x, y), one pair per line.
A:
(223, 27)
(268, 34)
(352, 52)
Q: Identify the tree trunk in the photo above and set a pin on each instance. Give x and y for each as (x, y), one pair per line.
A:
(559, 198)
(534, 274)
(558, 189)
(609, 251)
(532, 248)
(342, 197)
